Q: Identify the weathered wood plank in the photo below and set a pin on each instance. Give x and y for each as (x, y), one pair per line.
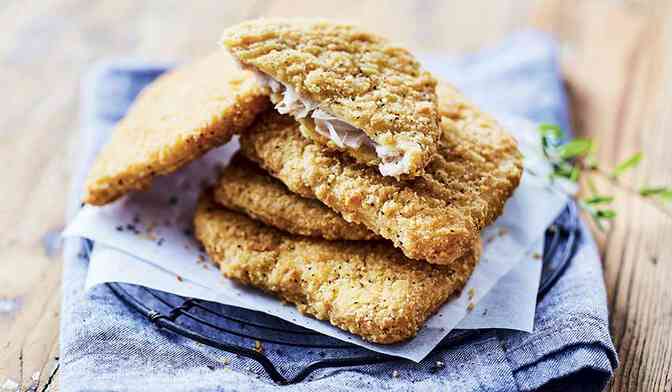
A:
(618, 61)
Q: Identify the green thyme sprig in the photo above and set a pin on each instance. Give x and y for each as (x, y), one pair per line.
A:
(574, 159)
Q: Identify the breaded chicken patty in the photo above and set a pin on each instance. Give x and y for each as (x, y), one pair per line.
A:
(350, 89)
(176, 119)
(365, 287)
(244, 187)
(436, 217)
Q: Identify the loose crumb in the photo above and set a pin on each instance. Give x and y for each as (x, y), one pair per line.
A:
(179, 278)
(258, 347)
(536, 256)
(438, 365)
(395, 374)
(470, 307)
(471, 293)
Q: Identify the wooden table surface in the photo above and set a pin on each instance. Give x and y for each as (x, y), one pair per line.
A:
(617, 58)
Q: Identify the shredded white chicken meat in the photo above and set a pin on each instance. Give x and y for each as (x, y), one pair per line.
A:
(343, 134)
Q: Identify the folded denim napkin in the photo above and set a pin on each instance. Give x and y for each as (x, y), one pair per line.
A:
(105, 346)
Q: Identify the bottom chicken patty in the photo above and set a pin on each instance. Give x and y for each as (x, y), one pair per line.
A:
(367, 288)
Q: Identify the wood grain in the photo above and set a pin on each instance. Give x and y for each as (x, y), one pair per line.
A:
(618, 62)
(617, 57)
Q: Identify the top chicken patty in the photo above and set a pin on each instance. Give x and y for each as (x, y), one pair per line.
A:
(350, 89)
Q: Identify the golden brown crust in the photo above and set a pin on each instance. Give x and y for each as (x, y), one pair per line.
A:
(367, 288)
(357, 76)
(244, 187)
(176, 119)
(436, 217)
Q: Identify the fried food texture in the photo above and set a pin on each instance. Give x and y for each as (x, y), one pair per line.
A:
(436, 217)
(245, 188)
(351, 90)
(174, 120)
(365, 287)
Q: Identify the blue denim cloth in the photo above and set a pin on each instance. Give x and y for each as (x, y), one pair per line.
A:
(105, 346)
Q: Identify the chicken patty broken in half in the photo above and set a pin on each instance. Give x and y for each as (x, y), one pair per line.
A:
(350, 90)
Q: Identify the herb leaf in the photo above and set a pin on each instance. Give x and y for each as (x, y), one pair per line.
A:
(574, 148)
(663, 192)
(599, 199)
(606, 214)
(551, 130)
(627, 164)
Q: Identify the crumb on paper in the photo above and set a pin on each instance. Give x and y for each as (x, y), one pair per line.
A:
(470, 307)
(395, 374)
(502, 231)
(35, 376)
(485, 312)
(536, 256)
(471, 293)
(179, 278)
(258, 347)
(225, 361)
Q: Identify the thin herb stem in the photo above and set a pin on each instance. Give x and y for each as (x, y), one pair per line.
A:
(613, 181)
(575, 159)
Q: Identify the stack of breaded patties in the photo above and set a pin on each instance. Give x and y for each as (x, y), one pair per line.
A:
(361, 186)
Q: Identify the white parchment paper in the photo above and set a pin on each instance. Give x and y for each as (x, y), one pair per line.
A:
(146, 239)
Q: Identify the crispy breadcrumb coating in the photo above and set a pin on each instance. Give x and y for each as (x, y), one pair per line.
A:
(244, 187)
(351, 90)
(436, 217)
(365, 287)
(176, 119)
